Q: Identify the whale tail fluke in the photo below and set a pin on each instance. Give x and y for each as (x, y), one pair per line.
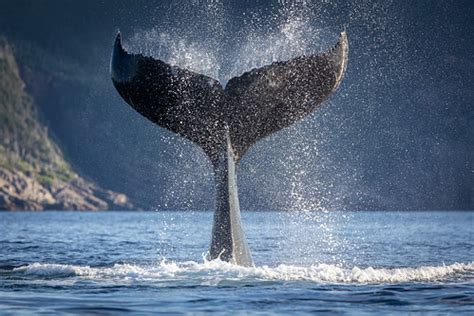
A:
(225, 122)
(253, 105)
(228, 238)
(179, 100)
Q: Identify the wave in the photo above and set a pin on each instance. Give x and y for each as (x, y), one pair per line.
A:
(214, 272)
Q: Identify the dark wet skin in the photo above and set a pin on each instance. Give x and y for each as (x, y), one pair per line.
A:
(225, 122)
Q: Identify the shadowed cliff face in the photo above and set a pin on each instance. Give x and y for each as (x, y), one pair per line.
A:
(33, 172)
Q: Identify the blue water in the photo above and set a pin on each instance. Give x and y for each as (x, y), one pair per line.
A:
(150, 262)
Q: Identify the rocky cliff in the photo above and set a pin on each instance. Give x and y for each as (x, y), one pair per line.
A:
(34, 174)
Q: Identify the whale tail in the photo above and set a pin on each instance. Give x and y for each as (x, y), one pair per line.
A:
(225, 122)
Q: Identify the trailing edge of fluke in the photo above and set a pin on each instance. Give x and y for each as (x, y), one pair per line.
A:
(225, 122)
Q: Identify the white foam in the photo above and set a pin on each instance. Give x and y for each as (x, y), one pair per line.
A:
(213, 272)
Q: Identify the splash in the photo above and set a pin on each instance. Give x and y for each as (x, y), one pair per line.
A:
(322, 158)
(215, 272)
(181, 52)
(223, 42)
(223, 54)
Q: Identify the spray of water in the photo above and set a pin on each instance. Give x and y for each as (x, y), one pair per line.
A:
(223, 42)
(225, 54)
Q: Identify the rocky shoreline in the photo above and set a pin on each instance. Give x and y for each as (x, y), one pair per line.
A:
(34, 174)
(19, 191)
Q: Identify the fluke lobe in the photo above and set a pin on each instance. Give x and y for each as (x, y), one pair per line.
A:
(225, 122)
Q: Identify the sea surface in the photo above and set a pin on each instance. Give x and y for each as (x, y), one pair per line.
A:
(111, 263)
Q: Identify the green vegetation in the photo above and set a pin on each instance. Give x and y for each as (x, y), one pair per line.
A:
(24, 142)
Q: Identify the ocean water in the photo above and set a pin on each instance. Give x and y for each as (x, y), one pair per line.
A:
(305, 262)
